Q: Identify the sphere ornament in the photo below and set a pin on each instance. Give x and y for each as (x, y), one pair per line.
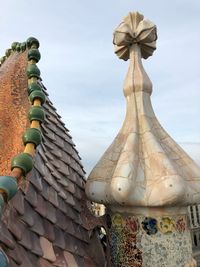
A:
(3, 259)
(32, 135)
(33, 71)
(18, 47)
(8, 185)
(24, 161)
(14, 45)
(8, 52)
(23, 46)
(34, 54)
(36, 113)
(32, 41)
(37, 94)
(34, 87)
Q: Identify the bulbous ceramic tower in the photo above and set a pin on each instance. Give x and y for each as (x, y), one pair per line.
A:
(144, 178)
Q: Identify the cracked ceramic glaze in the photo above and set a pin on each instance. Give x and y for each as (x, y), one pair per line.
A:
(144, 166)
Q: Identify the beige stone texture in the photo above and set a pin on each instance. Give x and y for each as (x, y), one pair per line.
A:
(143, 166)
(47, 248)
(70, 259)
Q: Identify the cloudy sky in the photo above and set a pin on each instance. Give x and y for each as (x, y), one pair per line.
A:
(84, 77)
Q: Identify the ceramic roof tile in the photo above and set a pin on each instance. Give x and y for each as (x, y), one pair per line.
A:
(77, 205)
(48, 156)
(42, 206)
(88, 262)
(48, 126)
(35, 179)
(42, 153)
(6, 237)
(53, 196)
(55, 152)
(60, 258)
(48, 144)
(45, 190)
(78, 248)
(50, 111)
(38, 227)
(12, 263)
(18, 202)
(25, 256)
(51, 119)
(65, 183)
(49, 178)
(69, 226)
(63, 168)
(49, 230)
(68, 185)
(70, 259)
(14, 228)
(85, 235)
(27, 216)
(51, 212)
(59, 238)
(34, 259)
(50, 135)
(31, 195)
(62, 194)
(49, 165)
(80, 261)
(55, 164)
(39, 165)
(68, 148)
(61, 127)
(15, 254)
(55, 173)
(59, 141)
(61, 219)
(36, 246)
(60, 120)
(70, 243)
(68, 139)
(26, 240)
(47, 248)
(70, 199)
(79, 193)
(44, 263)
(66, 157)
(78, 233)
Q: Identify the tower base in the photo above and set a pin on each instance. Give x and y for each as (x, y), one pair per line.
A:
(141, 240)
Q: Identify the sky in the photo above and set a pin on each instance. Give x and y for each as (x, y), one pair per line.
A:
(85, 78)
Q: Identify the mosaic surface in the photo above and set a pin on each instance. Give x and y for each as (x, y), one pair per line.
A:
(146, 241)
(14, 106)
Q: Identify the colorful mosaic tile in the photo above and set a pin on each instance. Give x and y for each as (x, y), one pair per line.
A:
(166, 225)
(150, 225)
(181, 225)
(132, 224)
(117, 221)
(146, 241)
(123, 242)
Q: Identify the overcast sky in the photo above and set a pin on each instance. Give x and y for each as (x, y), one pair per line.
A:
(84, 77)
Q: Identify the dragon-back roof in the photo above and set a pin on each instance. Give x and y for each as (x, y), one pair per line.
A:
(47, 223)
